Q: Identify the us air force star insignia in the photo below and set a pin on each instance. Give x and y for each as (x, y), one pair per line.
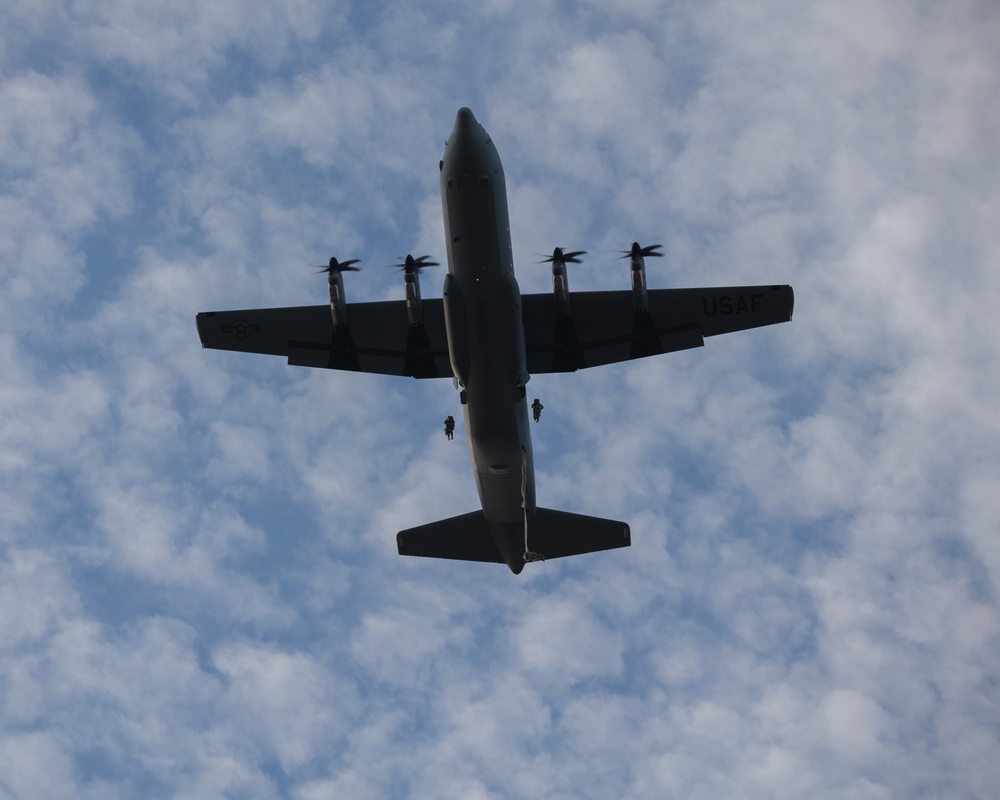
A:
(240, 328)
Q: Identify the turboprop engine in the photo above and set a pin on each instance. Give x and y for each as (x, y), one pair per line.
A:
(338, 299)
(411, 284)
(637, 256)
(560, 278)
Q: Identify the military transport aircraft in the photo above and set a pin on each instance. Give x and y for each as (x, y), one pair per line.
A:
(489, 339)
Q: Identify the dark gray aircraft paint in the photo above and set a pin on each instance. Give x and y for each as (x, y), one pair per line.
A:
(489, 339)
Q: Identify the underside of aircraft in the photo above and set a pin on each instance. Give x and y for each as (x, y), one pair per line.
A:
(489, 339)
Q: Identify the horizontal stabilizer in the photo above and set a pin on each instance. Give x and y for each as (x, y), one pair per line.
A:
(465, 538)
(555, 534)
(551, 534)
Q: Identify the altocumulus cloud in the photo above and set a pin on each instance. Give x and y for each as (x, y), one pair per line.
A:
(199, 592)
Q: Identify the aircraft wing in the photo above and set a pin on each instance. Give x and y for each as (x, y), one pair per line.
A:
(603, 327)
(378, 337)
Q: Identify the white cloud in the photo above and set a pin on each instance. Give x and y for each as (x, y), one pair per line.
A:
(35, 765)
(565, 643)
(854, 723)
(200, 590)
(65, 168)
(286, 703)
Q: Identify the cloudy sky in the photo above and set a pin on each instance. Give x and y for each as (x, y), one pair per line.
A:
(199, 591)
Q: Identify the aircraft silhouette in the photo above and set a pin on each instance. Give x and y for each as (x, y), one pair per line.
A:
(489, 339)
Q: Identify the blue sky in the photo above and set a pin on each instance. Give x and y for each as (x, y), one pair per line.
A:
(199, 590)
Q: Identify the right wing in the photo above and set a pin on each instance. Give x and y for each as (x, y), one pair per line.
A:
(603, 328)
(378, 337)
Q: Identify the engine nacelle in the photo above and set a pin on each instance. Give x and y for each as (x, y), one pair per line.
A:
(560, 287)
(414, 306)
(637, 260)
(640, 297)
(338, 300)
(560, 278)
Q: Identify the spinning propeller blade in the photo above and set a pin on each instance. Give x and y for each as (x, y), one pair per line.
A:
(340, 266)
(643, 252)
(559, 257)
(410, 264)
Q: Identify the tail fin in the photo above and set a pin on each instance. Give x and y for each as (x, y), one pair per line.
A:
(551, 534)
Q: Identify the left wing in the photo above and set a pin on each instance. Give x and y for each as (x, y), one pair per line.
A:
(603, 327)
(378, 337)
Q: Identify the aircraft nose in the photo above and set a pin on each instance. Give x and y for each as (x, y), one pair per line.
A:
(465, 124)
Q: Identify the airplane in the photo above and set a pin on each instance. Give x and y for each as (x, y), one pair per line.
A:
(488, 338)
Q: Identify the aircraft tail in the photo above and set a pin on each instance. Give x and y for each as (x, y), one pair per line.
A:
(551, 534)
(465, 538)
(555, 534)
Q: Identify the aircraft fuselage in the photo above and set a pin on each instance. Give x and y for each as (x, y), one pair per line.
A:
(485, 332)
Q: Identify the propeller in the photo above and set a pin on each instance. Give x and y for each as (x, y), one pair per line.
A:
(340, 266)
(559, 257)
(642, 252)
(411, 265)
